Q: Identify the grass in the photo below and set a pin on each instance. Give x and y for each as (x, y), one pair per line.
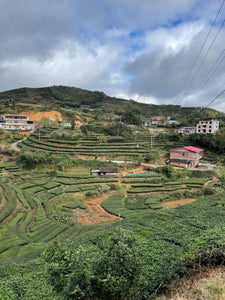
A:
(208, 283)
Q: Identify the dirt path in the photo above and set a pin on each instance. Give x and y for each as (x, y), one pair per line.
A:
(176, 203)
(14, 145)
(94, 213)
(214, 179)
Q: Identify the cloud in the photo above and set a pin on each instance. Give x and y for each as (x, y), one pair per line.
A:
(141, 50)
(161, 69)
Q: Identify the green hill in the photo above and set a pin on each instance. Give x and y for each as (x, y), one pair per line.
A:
(63, 97)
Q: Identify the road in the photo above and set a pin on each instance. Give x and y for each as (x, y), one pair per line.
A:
(14, 145)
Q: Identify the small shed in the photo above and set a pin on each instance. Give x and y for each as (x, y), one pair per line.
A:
(104, 171)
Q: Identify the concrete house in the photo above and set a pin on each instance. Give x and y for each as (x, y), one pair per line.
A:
(17, 122)
(185, 157)
(207, 126)
(104, 172)
(187, 130)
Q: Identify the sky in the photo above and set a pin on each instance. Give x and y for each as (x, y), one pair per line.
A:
(143, 50)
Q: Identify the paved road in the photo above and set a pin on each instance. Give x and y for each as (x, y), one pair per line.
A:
(14, 145)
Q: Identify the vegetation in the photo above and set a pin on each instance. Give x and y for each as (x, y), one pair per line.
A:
(46, 189)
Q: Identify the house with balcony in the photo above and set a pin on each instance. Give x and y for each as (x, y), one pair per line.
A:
(186, 130)
(185, 157)
(207, 126)
(17, 122)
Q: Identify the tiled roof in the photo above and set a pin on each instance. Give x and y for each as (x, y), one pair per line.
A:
(193, 149)
(189, 148)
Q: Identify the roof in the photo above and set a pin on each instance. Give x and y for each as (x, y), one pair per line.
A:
(188, 148)
(109, 170)
(193, 149)
(17, 115)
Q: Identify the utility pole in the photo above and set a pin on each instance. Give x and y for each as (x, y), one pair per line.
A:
(151, 139)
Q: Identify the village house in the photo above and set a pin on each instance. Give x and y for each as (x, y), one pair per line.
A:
(68, 123)
(112, 117)
(208, 126)
(16, 122)
(185, 157)
(156, 120)
(187, 130)
(104, 172)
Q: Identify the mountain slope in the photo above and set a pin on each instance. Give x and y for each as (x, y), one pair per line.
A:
(57, 97)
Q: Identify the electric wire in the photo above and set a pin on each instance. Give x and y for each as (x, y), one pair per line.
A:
(203, 59)
(211, 72)
(200, 51)
(215, 98)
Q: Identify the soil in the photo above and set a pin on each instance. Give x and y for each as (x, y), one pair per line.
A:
(209, 182)
(177, 202)
(94, 213)
(133, 171)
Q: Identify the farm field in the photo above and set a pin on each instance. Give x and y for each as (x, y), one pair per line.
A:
(37, 208)
(170, 214)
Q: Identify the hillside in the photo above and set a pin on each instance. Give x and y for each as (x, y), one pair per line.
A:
(63, 97)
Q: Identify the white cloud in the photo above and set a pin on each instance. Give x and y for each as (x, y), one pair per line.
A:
(142, 50)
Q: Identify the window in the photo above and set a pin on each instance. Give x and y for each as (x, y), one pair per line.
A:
(210, 130)
(183, 153)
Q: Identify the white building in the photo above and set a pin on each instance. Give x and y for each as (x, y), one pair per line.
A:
(17, 122)
(187, 130)
(207, 126)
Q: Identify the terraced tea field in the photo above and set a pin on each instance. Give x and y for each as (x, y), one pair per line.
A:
(90, 146)
(36, 208)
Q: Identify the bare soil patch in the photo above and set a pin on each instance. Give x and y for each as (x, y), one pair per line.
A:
(177, 202)
(207, 284)
(94, 213)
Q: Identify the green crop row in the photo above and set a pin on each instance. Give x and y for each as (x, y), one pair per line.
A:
(51, 185)
(19, 195)
(85, 181)
(57, 191)
(155, 190)
(30, 200)
(74, 204)
(72, 189)
(135, 202)
(21, 230)
(34, 190)
(26, 185)
(146, 185)
(11, 202)
(141, 180)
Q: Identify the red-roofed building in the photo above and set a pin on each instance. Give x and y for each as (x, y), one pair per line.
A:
(185, 157)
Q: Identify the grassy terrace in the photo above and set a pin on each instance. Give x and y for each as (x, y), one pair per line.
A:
(36, 208)
(89, 146)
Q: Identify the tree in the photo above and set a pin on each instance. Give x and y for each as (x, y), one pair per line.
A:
(119, 269)
(69, 271)
(109, 270)
(129, 117)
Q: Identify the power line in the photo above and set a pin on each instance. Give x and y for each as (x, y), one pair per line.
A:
(198, 55)
(211, 71)
(210, 47)
(215, 98)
